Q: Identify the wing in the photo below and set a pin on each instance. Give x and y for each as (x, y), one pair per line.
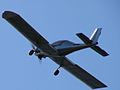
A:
(79, 72)
(30, 33)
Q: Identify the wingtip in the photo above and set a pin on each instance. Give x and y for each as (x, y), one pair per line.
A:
(106, 54)
(79, 34)
(8, 14)
(100, 87)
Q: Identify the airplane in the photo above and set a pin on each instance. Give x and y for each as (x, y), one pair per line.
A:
(57, 51)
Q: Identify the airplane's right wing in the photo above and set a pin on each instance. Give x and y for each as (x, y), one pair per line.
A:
(29, 32)
(78, 72)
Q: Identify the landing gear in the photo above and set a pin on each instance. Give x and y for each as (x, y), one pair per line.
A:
(57, 71)
(41, 56)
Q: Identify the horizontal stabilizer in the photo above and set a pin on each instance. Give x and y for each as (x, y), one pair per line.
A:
(100, 51)
(84, 38)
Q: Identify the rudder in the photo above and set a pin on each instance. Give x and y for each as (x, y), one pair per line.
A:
(94, 37)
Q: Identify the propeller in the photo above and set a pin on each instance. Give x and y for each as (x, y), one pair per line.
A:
(33, 50)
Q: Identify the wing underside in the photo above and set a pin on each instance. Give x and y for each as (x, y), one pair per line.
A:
(78, 72)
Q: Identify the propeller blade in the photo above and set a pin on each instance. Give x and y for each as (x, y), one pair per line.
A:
(31, 52)
(33, 46)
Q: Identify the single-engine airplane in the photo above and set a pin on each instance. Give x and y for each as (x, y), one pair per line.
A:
(58, 50)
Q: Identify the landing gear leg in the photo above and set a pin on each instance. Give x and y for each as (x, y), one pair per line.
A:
(57, 71)
(41, 56)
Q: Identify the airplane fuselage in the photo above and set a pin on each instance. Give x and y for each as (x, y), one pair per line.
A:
(64, 47)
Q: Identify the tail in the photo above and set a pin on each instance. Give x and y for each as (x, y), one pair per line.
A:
(94, 37)
(93, 40)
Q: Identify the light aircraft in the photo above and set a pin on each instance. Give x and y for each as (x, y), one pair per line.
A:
(57, 51)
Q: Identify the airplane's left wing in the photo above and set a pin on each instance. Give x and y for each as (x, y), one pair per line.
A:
(29, 32)
(78, 72)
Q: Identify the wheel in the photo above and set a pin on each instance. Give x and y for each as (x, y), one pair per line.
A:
(56, 72)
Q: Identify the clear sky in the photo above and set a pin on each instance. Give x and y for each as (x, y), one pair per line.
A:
(58, 20)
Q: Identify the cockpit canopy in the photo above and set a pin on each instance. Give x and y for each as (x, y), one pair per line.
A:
(63, 44)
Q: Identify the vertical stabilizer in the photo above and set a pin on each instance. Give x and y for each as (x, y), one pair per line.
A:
(94, 37)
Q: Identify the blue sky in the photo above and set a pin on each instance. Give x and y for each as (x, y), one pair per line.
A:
(58, 20)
